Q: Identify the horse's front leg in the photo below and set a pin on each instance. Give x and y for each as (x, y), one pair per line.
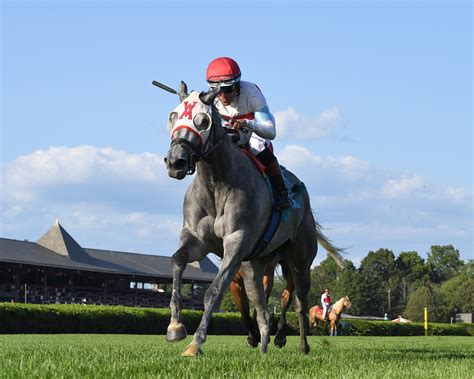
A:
(191, 250)
(233, 255)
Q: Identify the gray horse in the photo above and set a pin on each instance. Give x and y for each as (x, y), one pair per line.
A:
(226, 210)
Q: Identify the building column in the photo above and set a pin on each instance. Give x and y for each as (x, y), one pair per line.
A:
(192, 294)
(136, 293)
(71, 287)
(45, 285)
(17, 284)
(105, 291)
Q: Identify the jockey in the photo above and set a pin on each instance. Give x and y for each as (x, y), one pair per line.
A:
(243, 107)
(326, 302)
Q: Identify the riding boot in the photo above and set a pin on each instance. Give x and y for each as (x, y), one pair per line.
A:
(282, 199)
(273, 170)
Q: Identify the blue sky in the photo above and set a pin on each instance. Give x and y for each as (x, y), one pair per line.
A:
(373, 102)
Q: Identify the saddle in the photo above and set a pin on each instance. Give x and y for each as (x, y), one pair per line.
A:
(319, 310)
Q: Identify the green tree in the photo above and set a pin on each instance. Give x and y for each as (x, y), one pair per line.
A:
(443, 263)
(379, 282)
(463, 298)
(322, 276)
(228, 303)
(348, 283)
(458, 291)
(411, 270)
(430, 297)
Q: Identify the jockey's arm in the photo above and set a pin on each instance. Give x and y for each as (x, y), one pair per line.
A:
(263, 124)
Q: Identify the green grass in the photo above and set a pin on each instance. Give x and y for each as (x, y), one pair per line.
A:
(126, 356)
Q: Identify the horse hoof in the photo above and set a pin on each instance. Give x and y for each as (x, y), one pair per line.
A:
(305, 349)
(280, 342)
(192, 350)
(176, 332)
(252, 342)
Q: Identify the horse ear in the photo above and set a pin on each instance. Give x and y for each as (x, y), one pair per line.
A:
(183, 91)
(209, 96)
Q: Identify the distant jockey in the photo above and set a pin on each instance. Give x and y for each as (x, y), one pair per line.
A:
(326, 303)
(243, 107)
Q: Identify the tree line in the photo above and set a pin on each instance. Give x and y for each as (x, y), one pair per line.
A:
(385, 284)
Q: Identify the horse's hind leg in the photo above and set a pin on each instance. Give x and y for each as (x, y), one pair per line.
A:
(313, 319)
(253, 279)
(301, 308)
(301, 256)
(237, 290)
(191, 250)
(285, 300)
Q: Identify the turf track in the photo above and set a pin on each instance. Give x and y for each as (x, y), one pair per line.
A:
(126, 356)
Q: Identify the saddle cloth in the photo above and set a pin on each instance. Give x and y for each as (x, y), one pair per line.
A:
(276, 216)
(319, 310)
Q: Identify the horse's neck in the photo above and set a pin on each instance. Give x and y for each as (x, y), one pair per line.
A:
(338, 307)
(224, 166)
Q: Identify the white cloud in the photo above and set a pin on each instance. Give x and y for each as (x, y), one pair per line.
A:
(89, 174)
(291, 124)
(403, 186)
(368, 207)
(117, 200)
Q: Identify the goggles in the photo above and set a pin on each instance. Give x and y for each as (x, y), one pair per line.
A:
(228, 89)
(224, 82)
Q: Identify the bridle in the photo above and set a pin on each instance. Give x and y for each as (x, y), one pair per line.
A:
(195, 154)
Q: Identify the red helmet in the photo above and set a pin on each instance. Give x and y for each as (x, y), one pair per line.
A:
(223, 70)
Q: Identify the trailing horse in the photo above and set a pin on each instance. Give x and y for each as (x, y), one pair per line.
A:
(226, 210)
(316, 314)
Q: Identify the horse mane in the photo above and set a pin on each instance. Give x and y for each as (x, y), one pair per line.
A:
(338, 304)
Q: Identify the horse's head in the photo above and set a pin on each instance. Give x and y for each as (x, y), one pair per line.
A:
(192, 134)
(346, 302)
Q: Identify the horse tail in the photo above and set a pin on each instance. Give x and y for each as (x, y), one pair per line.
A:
(334, 252)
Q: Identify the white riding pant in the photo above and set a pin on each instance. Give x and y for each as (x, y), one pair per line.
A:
(325, 308)
(257, 144)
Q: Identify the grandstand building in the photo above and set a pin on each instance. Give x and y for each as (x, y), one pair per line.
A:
(57, 270)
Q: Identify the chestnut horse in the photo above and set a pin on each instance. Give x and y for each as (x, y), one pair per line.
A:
(316, 314)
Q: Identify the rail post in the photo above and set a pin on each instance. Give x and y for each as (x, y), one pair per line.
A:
(426, 321)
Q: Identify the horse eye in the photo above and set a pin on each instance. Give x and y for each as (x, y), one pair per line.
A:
(201, 121)
(172, 119)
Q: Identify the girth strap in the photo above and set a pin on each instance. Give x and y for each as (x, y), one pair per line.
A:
(269, 232)
(267, 237)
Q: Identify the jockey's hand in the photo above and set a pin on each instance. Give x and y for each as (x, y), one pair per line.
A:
(238, 124)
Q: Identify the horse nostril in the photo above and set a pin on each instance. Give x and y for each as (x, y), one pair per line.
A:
(180, 164)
